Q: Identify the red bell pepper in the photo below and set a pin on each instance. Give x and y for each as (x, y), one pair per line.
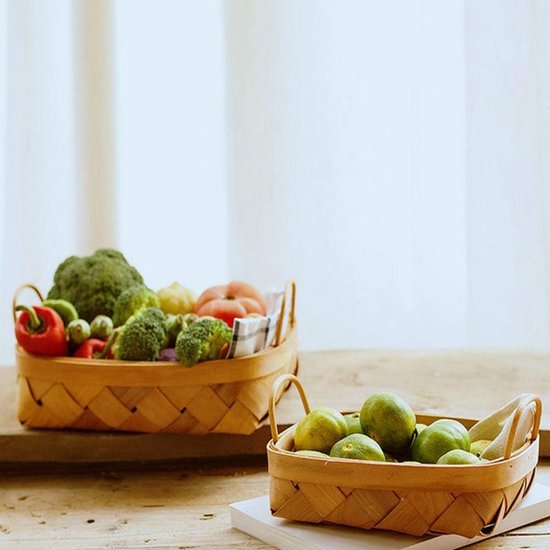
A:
(94, 348)
(90, 348)
(40, 331)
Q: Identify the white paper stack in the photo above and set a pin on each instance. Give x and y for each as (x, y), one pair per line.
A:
(254, 518)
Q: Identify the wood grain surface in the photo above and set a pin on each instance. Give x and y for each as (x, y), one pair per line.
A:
(457, 383)
(139, 504)
(170, 508)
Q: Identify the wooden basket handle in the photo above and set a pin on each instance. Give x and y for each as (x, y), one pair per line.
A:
(515, 422)
(18, 292)
(274, 396)
(290, 286)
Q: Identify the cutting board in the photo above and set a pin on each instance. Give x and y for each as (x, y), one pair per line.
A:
(456, 383)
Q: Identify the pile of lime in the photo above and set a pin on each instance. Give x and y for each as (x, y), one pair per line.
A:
(384, 430)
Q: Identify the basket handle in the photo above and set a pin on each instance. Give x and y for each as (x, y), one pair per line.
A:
(515, 422)
(274, 397)
(18, 291)
(290, 286)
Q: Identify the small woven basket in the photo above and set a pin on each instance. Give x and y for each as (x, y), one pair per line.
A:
(226, 396)
(417, 499)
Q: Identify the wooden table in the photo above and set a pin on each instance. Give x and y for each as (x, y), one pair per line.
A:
(82, 490)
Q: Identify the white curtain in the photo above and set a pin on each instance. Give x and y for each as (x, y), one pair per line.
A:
(392, 157)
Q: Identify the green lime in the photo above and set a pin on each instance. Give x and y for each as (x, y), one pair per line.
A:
(354, 423)
(390, 421)
(358, 446)
(458, 456)
(439, 438)
(320, 430)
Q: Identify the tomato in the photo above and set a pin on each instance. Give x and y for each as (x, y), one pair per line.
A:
(231, 301)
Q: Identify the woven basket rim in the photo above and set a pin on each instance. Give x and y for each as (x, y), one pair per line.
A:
(139, 373)
(366, 474)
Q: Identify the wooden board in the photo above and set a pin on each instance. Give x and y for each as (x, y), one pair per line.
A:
(456, 383)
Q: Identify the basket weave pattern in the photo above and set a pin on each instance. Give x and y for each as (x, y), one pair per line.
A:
(414, 512)
(416, 499)
(236, 407)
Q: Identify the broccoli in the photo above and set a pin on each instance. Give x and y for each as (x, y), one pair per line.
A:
(142, 337)
(93, 283)
(131, 300)
(173, 325)
(204, 340)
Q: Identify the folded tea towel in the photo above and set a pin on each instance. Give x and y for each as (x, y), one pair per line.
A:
(496, 427)
(254, 334)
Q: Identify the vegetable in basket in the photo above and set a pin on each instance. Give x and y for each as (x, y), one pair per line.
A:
(77, 331)
(176, 299)
(94, 348)
(40, 331)
(101, 327)
(142, 337)
(65, 309)
(173, 325)
(93, 283)
(231, 301)
(204, 340)
(131, 301)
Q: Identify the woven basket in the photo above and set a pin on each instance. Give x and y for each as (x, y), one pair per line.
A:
(225, 396)
(417, 499)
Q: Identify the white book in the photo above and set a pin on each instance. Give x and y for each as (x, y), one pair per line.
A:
(254, 518)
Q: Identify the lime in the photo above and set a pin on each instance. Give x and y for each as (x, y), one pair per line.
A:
(320, 430)
(358, 446)
(439, 438)
(420, 427)
(458, 456)
(390, 421)
(354, 423)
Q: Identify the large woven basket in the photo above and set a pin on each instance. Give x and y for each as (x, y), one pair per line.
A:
(226, 396)
(417, 499)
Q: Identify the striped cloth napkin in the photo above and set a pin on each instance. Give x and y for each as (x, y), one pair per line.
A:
(254, 334)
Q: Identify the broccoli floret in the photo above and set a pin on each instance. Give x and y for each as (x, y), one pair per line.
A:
(141, 338)
(153, 313)
(131, 300)
(173, 325)
(93, 283)
(204, 340)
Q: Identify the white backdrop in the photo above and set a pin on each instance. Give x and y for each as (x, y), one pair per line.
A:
(393, 158)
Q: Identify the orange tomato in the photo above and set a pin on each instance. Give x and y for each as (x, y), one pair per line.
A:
(231, 301)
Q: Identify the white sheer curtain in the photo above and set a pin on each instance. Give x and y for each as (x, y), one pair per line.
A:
(392, 157)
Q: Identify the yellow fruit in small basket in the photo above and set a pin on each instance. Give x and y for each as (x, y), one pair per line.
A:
(477, 447)
(439, 438)
(320, 430)
(354, 423)
(390, 421)
(358, 446)
(420, 427)
(458, 456)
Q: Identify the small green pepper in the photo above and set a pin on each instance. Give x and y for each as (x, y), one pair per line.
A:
(77, 331)
(101, 327)
(65, 309)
